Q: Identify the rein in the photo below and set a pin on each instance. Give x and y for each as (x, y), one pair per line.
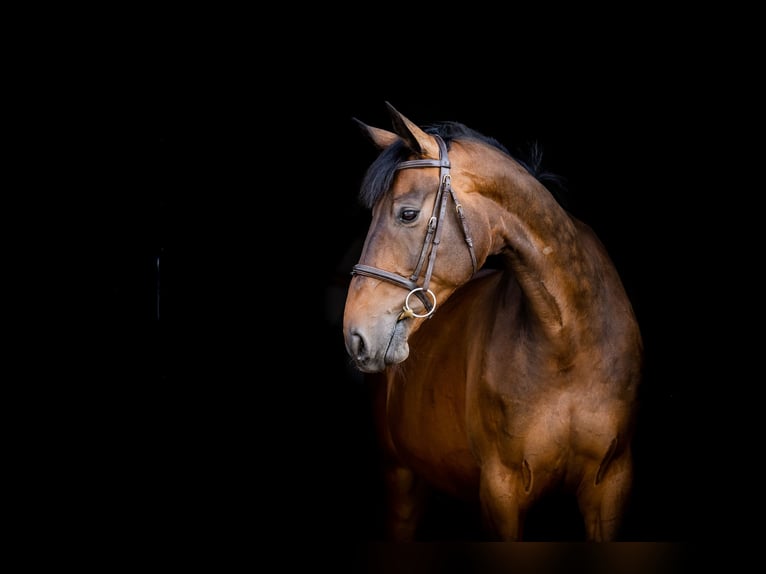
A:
(432, 239)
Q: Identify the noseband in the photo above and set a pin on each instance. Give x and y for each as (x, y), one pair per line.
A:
(432, 239)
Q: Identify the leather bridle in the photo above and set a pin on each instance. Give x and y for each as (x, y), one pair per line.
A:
(432, 239)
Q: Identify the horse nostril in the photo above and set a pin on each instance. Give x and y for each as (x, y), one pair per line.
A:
(357, 346)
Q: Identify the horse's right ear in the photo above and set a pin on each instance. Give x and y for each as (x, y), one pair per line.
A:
(381, 138)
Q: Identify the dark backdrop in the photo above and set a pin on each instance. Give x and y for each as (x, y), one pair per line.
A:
(229, 219)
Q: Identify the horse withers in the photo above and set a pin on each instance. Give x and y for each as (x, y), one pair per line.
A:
(501, 385)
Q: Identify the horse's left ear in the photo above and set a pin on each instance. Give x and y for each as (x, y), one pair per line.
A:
(381, 138)
(416, 139)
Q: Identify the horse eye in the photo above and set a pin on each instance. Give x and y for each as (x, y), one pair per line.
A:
(408, 215)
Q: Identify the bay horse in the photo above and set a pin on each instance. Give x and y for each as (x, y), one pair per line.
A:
(497, 384)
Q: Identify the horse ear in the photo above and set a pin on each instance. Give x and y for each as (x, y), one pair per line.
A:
(381, 138)
(416, 139)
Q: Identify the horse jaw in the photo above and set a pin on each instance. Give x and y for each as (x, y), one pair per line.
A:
(372, 350)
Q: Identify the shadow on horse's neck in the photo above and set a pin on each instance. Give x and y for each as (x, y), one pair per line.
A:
(553, 257)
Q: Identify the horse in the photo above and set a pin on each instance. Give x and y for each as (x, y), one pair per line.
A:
(497, 383)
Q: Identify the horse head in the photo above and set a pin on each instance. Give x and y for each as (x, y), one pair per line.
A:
(419, 247)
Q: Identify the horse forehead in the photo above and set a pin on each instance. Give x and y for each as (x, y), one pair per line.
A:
(414, 182)
(466, 158)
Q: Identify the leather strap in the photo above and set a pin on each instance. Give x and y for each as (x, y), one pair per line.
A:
(433, 233)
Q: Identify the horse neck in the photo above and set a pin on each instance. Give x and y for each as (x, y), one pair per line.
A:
(541, 243)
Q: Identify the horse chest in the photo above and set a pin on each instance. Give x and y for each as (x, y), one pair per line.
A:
(427, 426)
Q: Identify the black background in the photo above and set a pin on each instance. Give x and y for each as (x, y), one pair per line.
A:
(233, 244)
(226, 201)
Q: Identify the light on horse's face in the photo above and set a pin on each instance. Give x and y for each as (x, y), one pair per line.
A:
(374, 335)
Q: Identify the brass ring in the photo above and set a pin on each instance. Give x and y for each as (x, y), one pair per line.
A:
(408, 310)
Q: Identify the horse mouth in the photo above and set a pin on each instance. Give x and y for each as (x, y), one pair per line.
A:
(370, 357)
(397, 349)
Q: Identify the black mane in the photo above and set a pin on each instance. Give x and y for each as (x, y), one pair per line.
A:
(380, 174)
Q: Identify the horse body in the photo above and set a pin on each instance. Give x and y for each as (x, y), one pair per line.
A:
(524, 381)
